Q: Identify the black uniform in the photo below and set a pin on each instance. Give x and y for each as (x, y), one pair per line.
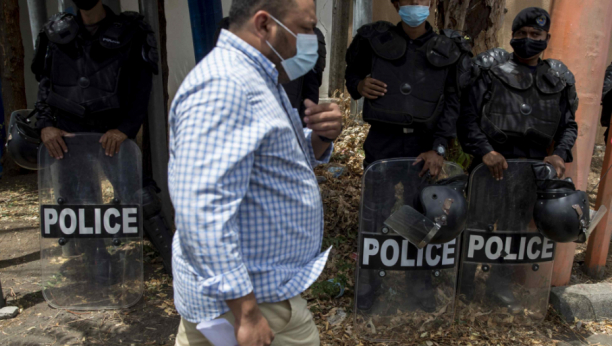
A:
(424, 77)
(606, 102)
(416, 115)
(95, 82)
(305, 87)
(517, 110)
(96, 78)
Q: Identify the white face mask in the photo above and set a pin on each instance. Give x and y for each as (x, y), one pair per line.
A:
(306, 57)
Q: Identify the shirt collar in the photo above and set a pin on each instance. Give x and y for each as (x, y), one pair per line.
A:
(228, 40)
(421, 39)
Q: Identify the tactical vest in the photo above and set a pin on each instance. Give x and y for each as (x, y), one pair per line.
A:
(85, 74)
(522, 104)
(415, 82)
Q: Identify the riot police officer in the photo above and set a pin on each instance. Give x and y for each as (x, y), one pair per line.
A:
(411, 79)
(95, 76)
(520, 104)
(519, 107)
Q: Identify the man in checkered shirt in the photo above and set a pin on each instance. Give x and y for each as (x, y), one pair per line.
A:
(249, 215)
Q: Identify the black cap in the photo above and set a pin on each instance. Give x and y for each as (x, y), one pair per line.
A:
(534, 17)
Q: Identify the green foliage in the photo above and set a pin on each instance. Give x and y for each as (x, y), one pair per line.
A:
(456, 154)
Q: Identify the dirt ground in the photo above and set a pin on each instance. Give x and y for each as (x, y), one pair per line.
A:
(154, 321)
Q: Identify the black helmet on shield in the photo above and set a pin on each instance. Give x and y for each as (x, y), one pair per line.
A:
(438, 216)
(24, 139)
(561, 213)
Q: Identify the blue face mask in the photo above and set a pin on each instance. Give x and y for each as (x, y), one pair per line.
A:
(414, 15)
(306, 57)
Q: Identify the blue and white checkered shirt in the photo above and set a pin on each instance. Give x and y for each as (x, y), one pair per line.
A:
(249, 215)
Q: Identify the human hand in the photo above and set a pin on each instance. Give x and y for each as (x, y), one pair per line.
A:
(53, 139)
(325, 120)
(111, 141)
(497, 164)
(558, 163)
(433, 163)
(371, 88)
(251, 327)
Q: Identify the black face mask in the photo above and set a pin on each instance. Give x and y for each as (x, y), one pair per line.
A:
(85, 4)
(527, 48)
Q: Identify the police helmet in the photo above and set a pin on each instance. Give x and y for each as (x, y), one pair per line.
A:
(445, 204)
(561, 212)
(24, 139)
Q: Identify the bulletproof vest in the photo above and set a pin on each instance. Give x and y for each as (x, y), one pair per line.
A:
(415, 78)
(85, 73)
(522, 104)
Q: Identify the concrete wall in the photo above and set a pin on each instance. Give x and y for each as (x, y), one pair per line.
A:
(181, 55)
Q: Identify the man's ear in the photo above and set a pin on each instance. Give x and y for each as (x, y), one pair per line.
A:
(262, 21)
(548, 38)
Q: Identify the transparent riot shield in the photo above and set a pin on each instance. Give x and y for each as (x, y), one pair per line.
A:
(507, 264)
(401, 290)
(91, 225)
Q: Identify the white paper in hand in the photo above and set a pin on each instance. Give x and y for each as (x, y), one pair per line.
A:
(219, 332)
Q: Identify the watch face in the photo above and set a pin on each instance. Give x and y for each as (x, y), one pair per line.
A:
(441, 150)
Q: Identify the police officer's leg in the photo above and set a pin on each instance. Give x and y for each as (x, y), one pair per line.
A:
(75, 182)
(127, 190)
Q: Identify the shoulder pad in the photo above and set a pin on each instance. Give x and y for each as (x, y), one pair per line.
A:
(442, 51)
(491, 58)
(549, 80)
(463, 41)
(386, 43)
(40, 54)
(563, 72)
(62, 28)
(150, 53)
(373, 28)
(514, 75)
(121, 32)
(607, 81)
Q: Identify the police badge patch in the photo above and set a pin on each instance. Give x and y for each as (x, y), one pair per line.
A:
(541, 20)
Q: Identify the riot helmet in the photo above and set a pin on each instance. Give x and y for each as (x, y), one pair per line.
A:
(24, 139)
(561, 213)
(438, 216)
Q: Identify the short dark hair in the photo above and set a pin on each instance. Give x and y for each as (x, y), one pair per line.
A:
(242, 10)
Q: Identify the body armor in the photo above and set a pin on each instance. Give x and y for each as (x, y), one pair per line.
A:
(85, 74)
(522, 104)
(415, 82)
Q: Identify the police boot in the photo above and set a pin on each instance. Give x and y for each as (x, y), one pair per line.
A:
(368, 286)
(155, 225)
(499, 289)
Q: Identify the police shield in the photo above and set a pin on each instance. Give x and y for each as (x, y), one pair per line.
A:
(91, 225)
(401, 290)
(507, 264)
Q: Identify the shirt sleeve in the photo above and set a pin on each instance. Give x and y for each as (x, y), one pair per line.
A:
(310, 151)
(472, 139)
(446, 127)
(209, 178)
(567, 132)
(358, 64)
(45, 113)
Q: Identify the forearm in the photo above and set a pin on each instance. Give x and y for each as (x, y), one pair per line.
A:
(244, 307)
(319, 147)
(45, 113)
(472, 139)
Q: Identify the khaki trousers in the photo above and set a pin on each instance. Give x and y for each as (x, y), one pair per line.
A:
(290, 320)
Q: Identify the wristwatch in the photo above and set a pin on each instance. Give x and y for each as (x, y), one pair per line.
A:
(440, 150)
